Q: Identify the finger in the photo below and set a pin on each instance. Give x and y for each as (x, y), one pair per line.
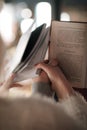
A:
(39, 71)
(48, 68)
(16, 85)
(9, 81)
(53, 62)
(43, 66)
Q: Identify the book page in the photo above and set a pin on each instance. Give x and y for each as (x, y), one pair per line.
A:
(23, 41)
(28, 70)
(32, 47)
(68, 45)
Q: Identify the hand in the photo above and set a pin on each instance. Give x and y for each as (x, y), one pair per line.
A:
(42, 77)
(59, 82)
(24, 87)
(7, 84)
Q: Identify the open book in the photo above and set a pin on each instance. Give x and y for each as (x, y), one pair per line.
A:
(68, 44)
(31, 49)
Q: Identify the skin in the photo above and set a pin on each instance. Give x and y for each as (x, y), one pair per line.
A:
(4, 87)
(58, 81)
(51, 74)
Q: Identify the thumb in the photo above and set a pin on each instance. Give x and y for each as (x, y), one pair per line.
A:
(47, 67)
(44, 67)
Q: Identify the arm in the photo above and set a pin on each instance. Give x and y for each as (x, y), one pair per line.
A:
(58, 81)
(71, 102)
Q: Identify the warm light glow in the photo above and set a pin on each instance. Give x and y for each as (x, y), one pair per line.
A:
(43, 13)
(6, 24)
(26, 13)
(64, 16)
(27, 21)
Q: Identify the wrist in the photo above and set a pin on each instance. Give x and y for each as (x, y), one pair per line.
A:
(64, 89)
